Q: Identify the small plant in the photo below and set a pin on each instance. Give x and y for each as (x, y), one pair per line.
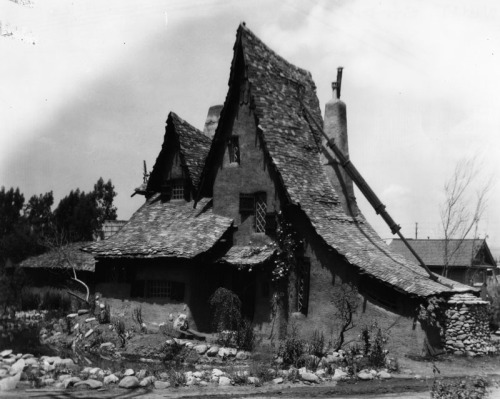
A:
(104, 316)
(292, 348)
(377, 353)
(119, 326)
(469, 388)
(365, 338)
(137, 316)
(176, 378)
(245, 336)
(173, 352)
(317, 345)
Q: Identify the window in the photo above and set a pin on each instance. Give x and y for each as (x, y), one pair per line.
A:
(303, 272)
(158, 289)
(233, 148)
(177, 189)
(260, 212)
(255, 205)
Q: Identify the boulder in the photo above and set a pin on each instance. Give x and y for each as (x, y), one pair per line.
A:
(111, 379)
(278, 380)
(5, 352)
(10, 383)
(142, 374)
(365, 375)
(201, 349)
(147, 381)
(128, 372)
(71, 381)
(224, 381)
(253, 380)
(9, 360)
(94, 370)
(161, 384)
(17, 367)
(217, 373)
(309, 377)
(242, 355)
(27, 356)
(129, 382)
(63, 377)
(384, 375)
(213, 351)
(339, 375)
(90, 383)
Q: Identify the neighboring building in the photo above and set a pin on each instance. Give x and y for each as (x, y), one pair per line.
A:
(214, 208)
(469, 260)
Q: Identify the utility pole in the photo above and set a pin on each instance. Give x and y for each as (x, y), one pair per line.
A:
(416, 230)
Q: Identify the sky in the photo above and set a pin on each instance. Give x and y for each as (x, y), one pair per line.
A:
(86, 87)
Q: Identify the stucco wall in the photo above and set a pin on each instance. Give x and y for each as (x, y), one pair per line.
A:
(251, 175)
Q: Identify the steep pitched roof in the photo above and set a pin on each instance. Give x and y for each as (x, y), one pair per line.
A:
(462, 252)
(165, 229)
(58, 259)
(193, 149)
(292, 142)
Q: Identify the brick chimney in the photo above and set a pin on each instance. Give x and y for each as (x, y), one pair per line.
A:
(212, 120)
(335, 127)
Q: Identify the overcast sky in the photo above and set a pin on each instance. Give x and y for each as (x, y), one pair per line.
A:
(86, 87)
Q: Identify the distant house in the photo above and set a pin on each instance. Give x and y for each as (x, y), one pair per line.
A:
(470, 260)
(215, 211)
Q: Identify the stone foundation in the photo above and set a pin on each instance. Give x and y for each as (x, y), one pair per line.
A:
(467, 329)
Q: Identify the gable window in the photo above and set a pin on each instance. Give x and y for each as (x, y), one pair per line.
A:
(303, 272)
(255, 205)
(178, 189)
(233, 148)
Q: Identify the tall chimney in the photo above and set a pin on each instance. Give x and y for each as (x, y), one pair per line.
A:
(212, 120)
(335, 127)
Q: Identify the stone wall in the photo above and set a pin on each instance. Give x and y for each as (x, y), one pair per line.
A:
(467, 329)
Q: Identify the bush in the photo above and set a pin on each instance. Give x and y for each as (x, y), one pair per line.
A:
(292, 349)
(119, 326)
(173, 352)
(226, 310)
(317, 345)
(469, 388)
(245, 336)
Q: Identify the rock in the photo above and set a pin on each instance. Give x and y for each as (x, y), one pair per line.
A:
(142, 374)
(253, 380)
(89, 333)
(3, 373)
(224, 381)
(48, 381)
(27, 356)
(365, 375)
(111, 379)
(217, 373)
(147, 381)
(63, 377)
(68, 363)
(83, 311)
(92, 384)
(242, 355)
(72, 315)
(161, 384)
(278, 380)
(17, 367)
(309, 377)
(94, 370)
(320, 373)
(129, 382)
(128, 372)
(5, 352)
(106, 345)
(201, 349)
(9, 360)
(213, 351)
(9, 383)
(384, 375)
(90, 319)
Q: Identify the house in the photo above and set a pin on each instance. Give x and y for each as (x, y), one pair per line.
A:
(469, 261)
(264, 209)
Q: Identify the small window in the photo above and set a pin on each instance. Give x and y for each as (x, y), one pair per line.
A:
(233, 149)
(260, 212)
(247, 204)
(178, 189)
(303, 273)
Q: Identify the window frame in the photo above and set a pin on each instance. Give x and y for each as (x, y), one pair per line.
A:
(233, 150)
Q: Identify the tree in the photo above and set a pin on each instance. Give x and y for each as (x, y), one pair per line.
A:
(38, 211)
(104, 193)
(11, 204)
(345, 302)
(464, 205)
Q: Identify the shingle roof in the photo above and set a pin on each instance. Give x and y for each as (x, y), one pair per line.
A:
(165, 229)
(193, 148)
(432, 252)
(292, 141)
(58, 258)
(240, 255)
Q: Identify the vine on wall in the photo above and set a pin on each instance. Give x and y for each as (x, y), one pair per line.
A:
(289, 246)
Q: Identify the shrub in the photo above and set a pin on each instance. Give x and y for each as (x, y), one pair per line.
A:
(173, 352)
(226, 310)
(317, 345)
(119, 326)
(245, 336)
(137, 317)
(377, 353)
(292, 348)
(469, 388)
(176, 378)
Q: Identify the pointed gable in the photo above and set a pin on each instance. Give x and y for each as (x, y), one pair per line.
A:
(183, 146)
(278, 92)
